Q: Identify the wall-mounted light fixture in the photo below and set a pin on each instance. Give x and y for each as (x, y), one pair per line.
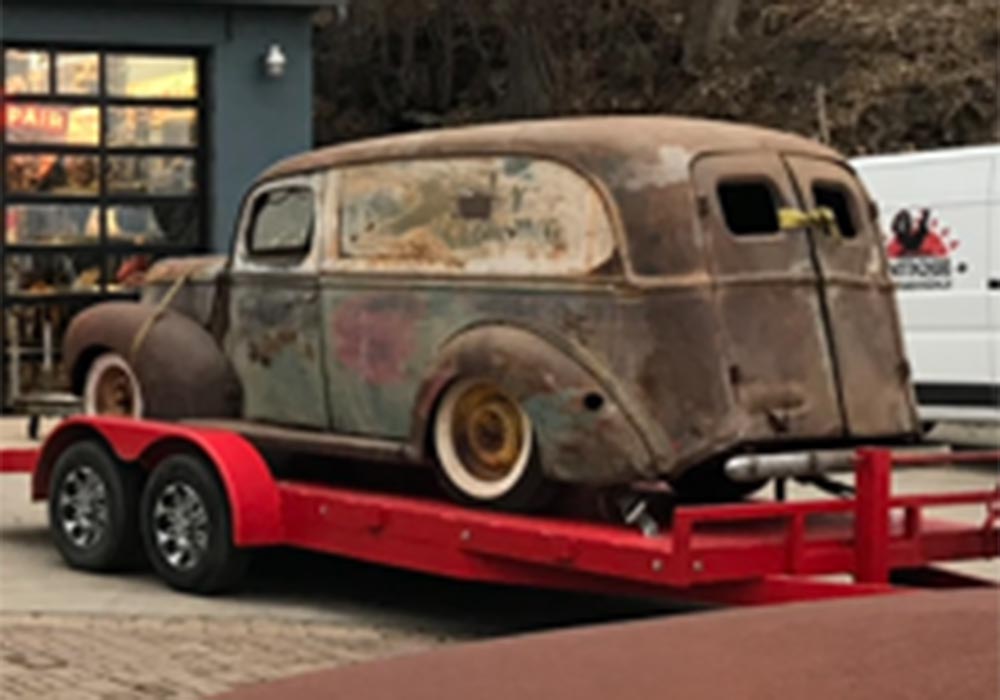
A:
(275, 61)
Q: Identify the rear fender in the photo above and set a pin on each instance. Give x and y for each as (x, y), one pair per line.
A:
(254, 499)
(586, 427)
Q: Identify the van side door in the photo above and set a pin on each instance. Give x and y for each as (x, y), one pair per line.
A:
(274, 339)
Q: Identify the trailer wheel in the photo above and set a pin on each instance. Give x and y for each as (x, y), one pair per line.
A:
(93, 506)
(485, 448)
(186, 527)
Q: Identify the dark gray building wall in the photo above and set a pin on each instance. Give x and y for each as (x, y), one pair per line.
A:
(252, 120)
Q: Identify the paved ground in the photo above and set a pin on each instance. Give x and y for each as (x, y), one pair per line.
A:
(64, 634)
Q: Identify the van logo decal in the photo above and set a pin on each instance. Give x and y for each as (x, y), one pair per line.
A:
(920, 250)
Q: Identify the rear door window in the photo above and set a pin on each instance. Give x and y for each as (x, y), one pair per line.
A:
(837, 199)
(750, 207)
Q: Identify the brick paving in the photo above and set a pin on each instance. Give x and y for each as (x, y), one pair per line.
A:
(91, 657)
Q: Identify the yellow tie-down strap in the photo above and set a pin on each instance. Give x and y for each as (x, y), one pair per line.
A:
(823, 218)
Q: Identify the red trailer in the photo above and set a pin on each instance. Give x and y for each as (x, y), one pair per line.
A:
(201, 498)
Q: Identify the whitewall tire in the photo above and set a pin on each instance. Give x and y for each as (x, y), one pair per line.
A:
(485, 447)
(111, 388)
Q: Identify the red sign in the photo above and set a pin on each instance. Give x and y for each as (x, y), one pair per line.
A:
(36, 118)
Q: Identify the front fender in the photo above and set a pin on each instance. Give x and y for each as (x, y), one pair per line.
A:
(181, 368)
(582, 427)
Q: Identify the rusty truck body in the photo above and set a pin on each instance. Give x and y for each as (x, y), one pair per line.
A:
(590, 300)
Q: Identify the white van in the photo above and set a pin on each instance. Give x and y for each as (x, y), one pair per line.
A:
(940, 214)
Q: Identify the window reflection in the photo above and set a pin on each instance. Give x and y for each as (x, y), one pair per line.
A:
(152, 126)
(67, 224)
(51, 173)
(76, 73)
(30, 122)
(163, 222)
(26, 72)
(151, 175)
(52, 274)
(151, 76)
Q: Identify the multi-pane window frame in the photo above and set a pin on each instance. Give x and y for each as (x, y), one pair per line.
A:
(56, 303)
(107, 247)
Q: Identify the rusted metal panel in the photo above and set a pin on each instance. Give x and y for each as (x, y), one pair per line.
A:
(656, 362)
(574, 141)
(199, 276)
(194, 268)
(878, 396)
(275, 345)
(863, 321)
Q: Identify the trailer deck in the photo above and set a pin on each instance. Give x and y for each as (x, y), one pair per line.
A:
(761, 551)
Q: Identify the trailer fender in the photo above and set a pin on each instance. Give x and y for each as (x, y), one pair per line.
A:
(254, 499)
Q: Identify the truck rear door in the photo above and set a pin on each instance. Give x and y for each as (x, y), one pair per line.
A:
(768, 294)
(857, 294)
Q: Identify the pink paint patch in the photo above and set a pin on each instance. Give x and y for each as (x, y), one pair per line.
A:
(374, 336)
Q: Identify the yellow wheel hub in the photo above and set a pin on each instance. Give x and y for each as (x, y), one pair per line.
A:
(488, 431)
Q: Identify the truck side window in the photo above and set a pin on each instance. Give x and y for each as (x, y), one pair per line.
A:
(750, 207)
(282, 222)
(473, 215)
(837, 199)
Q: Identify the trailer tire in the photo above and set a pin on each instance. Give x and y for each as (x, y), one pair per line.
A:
(187, 529)
(93, 508)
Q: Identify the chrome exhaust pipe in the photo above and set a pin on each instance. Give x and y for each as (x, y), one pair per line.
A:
(781, 465)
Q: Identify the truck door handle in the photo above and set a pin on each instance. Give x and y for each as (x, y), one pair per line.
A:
(994, 284)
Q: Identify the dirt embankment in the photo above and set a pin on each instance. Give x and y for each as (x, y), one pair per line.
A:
(897, 74)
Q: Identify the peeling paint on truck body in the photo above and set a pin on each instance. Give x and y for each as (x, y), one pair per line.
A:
(588, 266)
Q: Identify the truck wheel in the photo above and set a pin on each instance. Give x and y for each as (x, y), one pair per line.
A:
(485, 448)
(186, 527)
(93, 505)
(111, 388)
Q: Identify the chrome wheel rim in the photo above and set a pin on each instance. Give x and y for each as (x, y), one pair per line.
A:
(181, 526)
(84, 511)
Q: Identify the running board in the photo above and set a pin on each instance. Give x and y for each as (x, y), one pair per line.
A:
(313, 441)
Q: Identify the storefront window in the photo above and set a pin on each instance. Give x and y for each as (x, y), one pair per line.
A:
(102, 167)
(135, 127)
(152, 76)
(77, 73)
(26, 72)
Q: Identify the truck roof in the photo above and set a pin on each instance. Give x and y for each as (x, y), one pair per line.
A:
(575, 140)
